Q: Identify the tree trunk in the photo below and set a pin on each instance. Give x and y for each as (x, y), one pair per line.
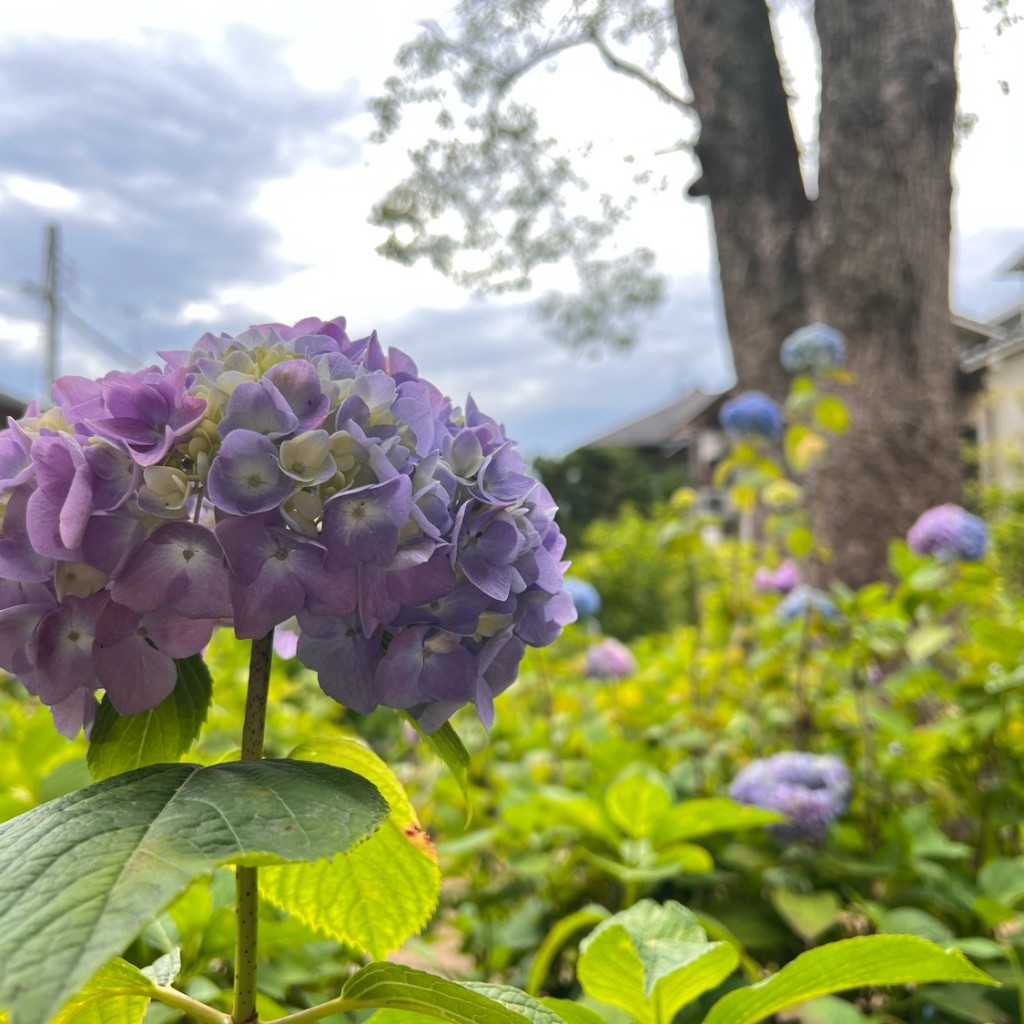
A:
(751, 176)
(870, 255)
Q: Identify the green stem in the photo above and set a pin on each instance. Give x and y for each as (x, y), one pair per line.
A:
(1018, 973)
(194, 1009)
(247, 879)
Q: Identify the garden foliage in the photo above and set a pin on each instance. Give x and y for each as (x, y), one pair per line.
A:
(868, 866)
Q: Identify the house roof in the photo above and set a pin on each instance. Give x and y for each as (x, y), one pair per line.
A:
(1016, 266)
(670, 425)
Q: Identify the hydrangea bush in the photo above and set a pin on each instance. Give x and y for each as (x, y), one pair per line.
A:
(290, 471)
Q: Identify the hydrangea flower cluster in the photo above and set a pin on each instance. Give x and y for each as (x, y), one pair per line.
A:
(777, 581)
(751, 414)
(949, 533)
(814, 349)
(290, 471)
(811, 790)
(584, 596)
(805, 600)
(609, 659)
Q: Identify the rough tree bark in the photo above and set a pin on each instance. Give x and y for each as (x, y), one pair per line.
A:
(869, 255)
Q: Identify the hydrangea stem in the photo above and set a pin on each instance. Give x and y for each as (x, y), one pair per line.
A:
(247, 879)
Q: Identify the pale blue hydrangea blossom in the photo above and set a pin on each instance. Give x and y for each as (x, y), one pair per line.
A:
(812, 790)
(814, 349)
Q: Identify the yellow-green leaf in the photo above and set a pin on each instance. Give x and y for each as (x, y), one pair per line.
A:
(838, 966)
(119, 993)
(377, 895)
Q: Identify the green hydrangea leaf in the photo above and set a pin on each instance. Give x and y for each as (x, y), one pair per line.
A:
(638, 799)
(446, 744)
(838, 966)
(693, 819)
(515, 999)
(120, 743)
(651, 960)
(412, 996)
(379, 894)
(572, 1013)
(118, 993)
(81, 875)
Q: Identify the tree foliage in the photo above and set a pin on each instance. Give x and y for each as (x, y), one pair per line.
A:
(491, 196)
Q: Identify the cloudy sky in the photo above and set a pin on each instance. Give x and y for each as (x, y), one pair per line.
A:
(208, 164)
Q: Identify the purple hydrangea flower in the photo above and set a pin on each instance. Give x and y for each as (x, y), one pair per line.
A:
(584, 596)
(609, 659)
(814, 349)
(751, 414)
(806, 600)
(289, 473)
(811, 790)
(949, 533)
(777, 581)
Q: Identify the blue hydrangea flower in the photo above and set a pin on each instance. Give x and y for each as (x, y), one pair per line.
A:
(811, 790)
(287, 473)
(949, 533)
(584, 596)
(814, 349)
(805, 600)
(751, 414)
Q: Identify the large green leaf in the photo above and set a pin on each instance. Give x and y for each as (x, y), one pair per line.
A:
(375, 896)
(120, 743)
(81, 875)
(651, 960)
(851, 963)
(404, 989)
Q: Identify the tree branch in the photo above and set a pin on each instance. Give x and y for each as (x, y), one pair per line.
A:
(624, 67)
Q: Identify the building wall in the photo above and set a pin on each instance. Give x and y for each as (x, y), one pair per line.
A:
(997, 413)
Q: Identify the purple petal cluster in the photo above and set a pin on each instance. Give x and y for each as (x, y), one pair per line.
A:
(805, 600)
(812, 790)
(584, 596)
(609, 659)
(751, 414)
(949, 533)
(814, 349)
(289, 472)
(781, 580)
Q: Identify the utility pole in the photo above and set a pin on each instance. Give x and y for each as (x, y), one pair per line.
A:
(51, 302)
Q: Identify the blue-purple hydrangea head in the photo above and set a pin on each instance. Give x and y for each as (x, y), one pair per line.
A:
(814, 349)
(805, 601)
(949, 533)
(609, 659)
(751, 414)
(289, 473)
(812, 790)
(584, 596)
(780, 580)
